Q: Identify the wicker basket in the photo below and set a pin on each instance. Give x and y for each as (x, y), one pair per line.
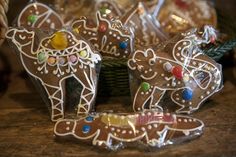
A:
(3, 19)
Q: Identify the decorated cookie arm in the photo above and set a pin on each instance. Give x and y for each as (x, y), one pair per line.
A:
(110, 131)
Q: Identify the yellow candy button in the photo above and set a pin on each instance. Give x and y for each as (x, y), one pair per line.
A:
(83, 53)
(59, 41)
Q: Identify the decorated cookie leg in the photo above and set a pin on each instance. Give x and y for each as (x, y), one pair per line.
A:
(88, 92)
(55, 95)
(112, 131)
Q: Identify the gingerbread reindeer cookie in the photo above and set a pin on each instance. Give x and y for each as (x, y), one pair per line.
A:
(146, 29)
(39, 15)
(112, 131)
(55, 58)
(109, 36)
(180, 15)
(178, 67)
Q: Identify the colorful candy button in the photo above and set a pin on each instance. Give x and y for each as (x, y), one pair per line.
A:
(42, 57)
(145, 86)
(167, 67)
(123, 45)
(32, 18)
(73, 58)
(102, 28)
(59, 41)
(86, 129)
(89, 119)
(61, 61)
(51, 60)
(83, 53)
(177, 71)
(187, 94)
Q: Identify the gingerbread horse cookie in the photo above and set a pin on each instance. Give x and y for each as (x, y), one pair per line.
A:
(109, 36)
(38, 15)
(180, 67)
(55, 58)
(112, 131)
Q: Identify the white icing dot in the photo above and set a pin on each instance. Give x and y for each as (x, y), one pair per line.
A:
(185, 43)
(114, 35)
(190, 103)
(177, 99)
(155, 125)
(31, 11)
(68, 123)
(190, 120)
(130, 132)
(67, 128)
(149, 113)
(183, 101)
(137, 131)
(149, 127)
(143, 129)
(118, 37)
(179, 48)
(110, 33)
(52, 25)
(123, 132)
(89, 33)
(162, 75)
(160, 61)
(145, 71)
(208, 92)
(177, 94)
(168, 85)
(194, 63)
(112, 129)
(48, 20)
(73, 42)
(94, 34)
(179, 120)
(202, 97)
(37, 12)
(178, 54)
(213, 88)
(142, 114)
(28, 23)
(179, 82)
(35, 62)
(106, 127)
(181, 58)
(185, 120)
(139, 109)
(147, 93)
(118, 130)
(142, 93)
(84, 32)
(126, 51)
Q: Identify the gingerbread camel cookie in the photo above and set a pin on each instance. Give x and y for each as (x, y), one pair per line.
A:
(39, 15)
(55, 58)
(112, 131)
(109, 36)
(180, 15)
(147, 30)
(180, 67)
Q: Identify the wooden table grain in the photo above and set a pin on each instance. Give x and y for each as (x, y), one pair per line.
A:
(26, 130)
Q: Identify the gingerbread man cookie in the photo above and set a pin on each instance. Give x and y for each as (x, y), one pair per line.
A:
(109, 36)
(146, 29)
(179, 15)
(38, 15)
(111, 131)
(55, 58)
(180, 67)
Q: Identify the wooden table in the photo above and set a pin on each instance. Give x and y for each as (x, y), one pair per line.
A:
(25, 128)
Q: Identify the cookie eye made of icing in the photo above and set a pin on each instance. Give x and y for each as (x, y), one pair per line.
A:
(152, 61)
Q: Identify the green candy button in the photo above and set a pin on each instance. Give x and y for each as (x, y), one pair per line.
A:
(42, 57)
(145, 86)
(32, 18)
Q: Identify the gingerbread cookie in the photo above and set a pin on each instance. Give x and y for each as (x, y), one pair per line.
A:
(146, 29)
(179, 15)
(180, 67)
(109, 36)
(55, 58)
(38, 15)
(111, 131)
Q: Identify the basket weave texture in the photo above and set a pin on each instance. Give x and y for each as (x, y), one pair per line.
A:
(3, 19)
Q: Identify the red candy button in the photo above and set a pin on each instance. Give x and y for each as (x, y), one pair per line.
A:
(102, 28)
(177, 71)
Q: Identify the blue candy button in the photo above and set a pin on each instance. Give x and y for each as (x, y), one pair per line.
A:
(89, 119)
(187, 94)
(86, 129)
(123, 45)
